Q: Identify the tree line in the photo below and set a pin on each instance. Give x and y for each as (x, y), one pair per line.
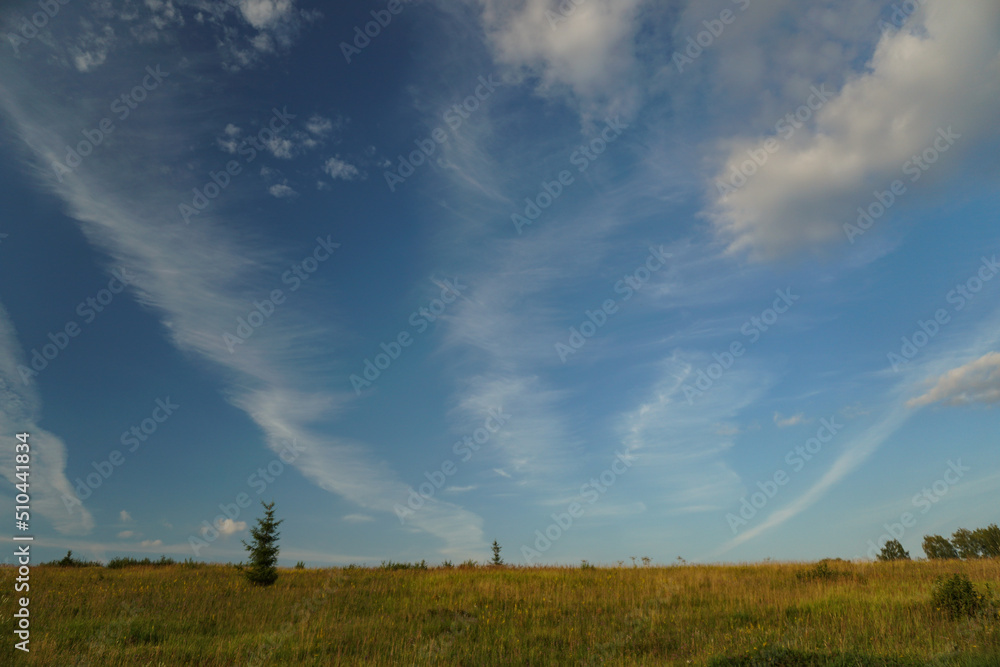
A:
(964, 544)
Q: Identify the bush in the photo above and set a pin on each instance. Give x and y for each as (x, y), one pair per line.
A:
(584, 565)
(821, 571)
(300, 565)
(127, 561)
(957, 597)
(69, 561)
(447, 565)
(390, 565)
(469, 565)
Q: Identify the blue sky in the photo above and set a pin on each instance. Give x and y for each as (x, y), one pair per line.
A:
(595, 279)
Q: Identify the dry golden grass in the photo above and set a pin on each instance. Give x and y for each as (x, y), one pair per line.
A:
(863, 614)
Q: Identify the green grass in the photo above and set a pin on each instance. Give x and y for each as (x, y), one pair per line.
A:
(722, 616)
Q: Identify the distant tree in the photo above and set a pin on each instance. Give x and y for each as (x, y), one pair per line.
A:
(988, 541)
(893, 550)
(966, 544)
(496, 553)
(264, 550)
(938, 548)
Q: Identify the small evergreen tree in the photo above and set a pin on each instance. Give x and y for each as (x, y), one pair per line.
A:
(264, 550)
(496, 553)
(937, 547)
(893, 550)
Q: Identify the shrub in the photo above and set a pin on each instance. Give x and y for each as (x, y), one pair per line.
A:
(893, 550)
(584, 565)
(957, 597)
(69, 561)
(820, 571)
(469, 564)
(447, 565)
(127, 561)
(390, 565)
(300, 565)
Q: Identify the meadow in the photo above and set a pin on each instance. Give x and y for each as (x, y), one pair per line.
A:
(833, 613)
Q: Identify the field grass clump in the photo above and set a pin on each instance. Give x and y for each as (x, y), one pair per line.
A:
(958, 598)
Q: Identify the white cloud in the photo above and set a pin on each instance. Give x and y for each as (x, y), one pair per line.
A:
(941, 70)
(321, 126)
(229, 527)
(588, 52)
(125, 534)
(280, 147)
(975, 382)
(52, 495)
(151, 543)
(358, 518)
(337, 168)
(783, 422)
(125, 517)
(263, 14)
(92, 47)
(282, 191)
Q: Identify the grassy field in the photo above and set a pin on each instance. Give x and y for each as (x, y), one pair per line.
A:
(763, 614)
